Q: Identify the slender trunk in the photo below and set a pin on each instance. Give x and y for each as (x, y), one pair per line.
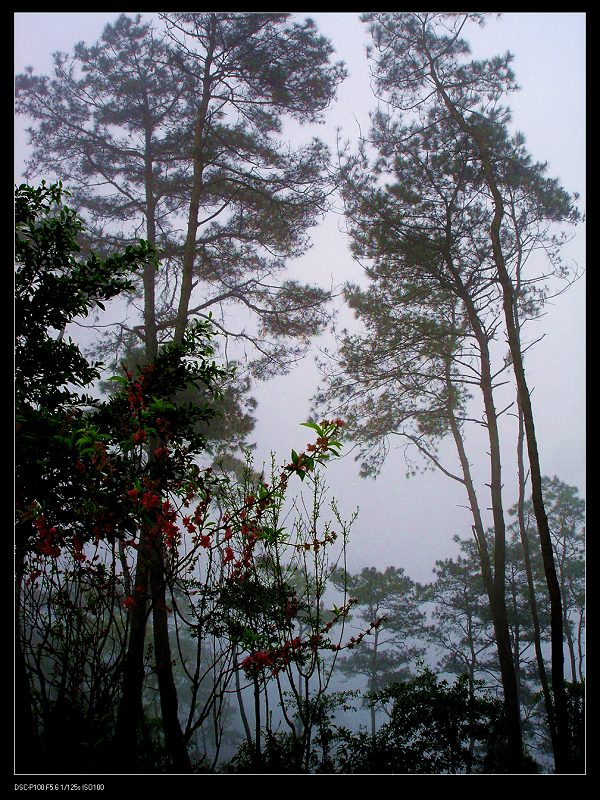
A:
(563, 591)
(494, 583)
(570, 647)
(199, 144)
(580, 628)
(562, 757)
(257, 744)
(240, 699)
(150, 329)
(556, 614)
(498, 610)
(507, 665)
(523, 528)
(472, 663)
(149, 279)
(174, 738)
(533, 606)
(130, 713)
(516, 642)
(304, 714)
(556, 617)
(374, 682)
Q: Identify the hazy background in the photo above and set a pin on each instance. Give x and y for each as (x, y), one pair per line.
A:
(410, 523)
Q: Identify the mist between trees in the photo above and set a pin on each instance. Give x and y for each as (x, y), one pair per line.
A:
(182, 609)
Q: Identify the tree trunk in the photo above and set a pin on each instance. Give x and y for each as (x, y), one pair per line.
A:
(149, 279)
(189, 249)
(257, 744)
(471, 750)
(130, 713)
(174, 738)
(240, 699)
(562, 757)
(374, 682)
(533, 606)
(494, 582)
(562, 559)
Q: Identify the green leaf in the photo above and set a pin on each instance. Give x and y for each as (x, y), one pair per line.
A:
(158, 404)
(313, 427)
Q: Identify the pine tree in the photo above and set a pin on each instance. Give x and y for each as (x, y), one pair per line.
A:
(174, 134)
(446, 264)
(162, 132)
(391, 597)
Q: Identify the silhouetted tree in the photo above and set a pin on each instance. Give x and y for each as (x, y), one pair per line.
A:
(431, 730)
(389, 597)
(156, 131)
(421, 60)
(440, 254)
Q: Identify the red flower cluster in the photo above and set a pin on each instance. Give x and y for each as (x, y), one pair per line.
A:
(33, 576)
(336, 423)
(277, 658)
(165, 518)
(47, 538)
(78, 553)
(165, 524)
(134, 395)
(149, 501)
(264, 658)
(188, 525)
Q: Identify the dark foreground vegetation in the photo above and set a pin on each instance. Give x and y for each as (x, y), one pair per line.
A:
(120, 531)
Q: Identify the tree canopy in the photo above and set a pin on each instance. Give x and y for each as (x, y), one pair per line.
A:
(170, 131)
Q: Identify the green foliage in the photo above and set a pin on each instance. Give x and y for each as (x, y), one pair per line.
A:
(577, 720)
(53, 288)
(462, 631)
(233, 77)
(91, 474)
(461, 621)
(281, 755)
(434, 728)
(390, 600)
(110, 484)
(285, 753)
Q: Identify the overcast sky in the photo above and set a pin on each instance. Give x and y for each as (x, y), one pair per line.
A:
(410, 523)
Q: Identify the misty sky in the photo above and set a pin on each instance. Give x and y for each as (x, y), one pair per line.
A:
(410, 523)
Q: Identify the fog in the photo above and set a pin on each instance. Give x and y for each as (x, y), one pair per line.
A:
(411, 523)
